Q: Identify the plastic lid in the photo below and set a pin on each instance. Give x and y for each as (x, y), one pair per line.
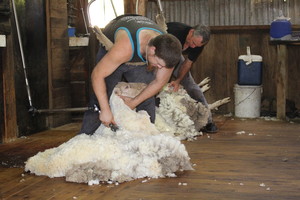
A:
(250, 58)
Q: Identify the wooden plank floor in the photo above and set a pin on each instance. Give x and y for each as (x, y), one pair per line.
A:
(262, 163)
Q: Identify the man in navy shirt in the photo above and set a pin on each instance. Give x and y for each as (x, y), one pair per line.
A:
(193, 40)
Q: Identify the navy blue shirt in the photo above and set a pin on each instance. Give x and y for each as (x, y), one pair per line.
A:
(180, 31)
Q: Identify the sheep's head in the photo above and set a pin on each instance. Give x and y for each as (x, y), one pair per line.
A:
(129, 89)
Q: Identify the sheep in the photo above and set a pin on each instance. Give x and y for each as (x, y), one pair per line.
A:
(180, 114)
(177, 114)
(136, 150)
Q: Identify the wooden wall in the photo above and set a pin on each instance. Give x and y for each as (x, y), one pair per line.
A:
(1, 98)
(219, 62)
(16, 107)
(81, 61)
(58, 60)
(43, 27)
(31, 17)
(8, 119)
(231, 33)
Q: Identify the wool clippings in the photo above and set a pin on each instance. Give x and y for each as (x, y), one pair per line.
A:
(240, 132)
(262, 185)
(183, 184)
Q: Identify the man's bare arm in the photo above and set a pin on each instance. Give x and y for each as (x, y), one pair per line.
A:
(186, 66)
(118, 54)
(162, 77)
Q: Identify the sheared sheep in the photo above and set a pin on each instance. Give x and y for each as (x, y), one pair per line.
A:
(177, 114)
(180, 114)
(138, 149)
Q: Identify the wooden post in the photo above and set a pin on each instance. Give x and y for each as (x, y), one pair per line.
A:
(9, 96)
(142, 7)
(58, 61)
(130, 6)
(281, 79)
(49, 53)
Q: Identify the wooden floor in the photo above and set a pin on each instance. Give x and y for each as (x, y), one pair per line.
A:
(261, 163)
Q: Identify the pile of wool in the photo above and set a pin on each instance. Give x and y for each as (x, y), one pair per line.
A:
(137, 150)
(178, 113)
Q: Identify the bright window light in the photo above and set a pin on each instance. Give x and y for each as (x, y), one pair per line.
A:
(101, 12)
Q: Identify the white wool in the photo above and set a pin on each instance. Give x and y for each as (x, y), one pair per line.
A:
(123, 156)
(136, 150)
(180, 114)
(130, 120)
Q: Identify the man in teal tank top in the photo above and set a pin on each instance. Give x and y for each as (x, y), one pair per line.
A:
(141, 52)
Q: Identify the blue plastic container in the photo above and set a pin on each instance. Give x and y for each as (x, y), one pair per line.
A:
(249, 69)
(280, 28)
(71, 32)
(250, 74)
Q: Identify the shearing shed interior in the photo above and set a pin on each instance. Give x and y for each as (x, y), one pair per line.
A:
(72, 128)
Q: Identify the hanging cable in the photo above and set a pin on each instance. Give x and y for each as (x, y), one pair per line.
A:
(83, 16)
(113, 6)
(22, 55)
(160, 7)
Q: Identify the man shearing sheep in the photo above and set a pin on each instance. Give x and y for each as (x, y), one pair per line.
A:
(193, 40)
(141, 52)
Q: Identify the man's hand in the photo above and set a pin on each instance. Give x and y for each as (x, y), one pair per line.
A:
(175, 84)
(128, 101)
(106, 118)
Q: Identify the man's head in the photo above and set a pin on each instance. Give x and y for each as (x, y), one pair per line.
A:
(198, 36)
(165, 50)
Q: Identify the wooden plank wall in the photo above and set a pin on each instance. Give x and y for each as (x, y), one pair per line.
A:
(81, 61)
(219, 62)
(58, 60)
(226, 12)
(9, 115)
(231, 33)
(1, 97)
(8, 119)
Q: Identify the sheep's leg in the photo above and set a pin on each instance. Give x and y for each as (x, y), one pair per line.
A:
(102, 38)
(204, 88)
(204, 81)
(217, 104)
(161, 21)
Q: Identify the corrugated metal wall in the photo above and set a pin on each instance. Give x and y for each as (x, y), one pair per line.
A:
(226, 12)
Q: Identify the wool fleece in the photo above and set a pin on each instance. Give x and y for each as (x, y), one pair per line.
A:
(136, 150)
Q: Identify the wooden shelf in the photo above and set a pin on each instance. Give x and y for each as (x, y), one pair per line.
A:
(78, 41)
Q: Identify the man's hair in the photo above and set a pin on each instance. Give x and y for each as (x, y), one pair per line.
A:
(202, 30)
(168, 48)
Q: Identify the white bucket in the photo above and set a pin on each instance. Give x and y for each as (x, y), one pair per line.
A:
(247, 99)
